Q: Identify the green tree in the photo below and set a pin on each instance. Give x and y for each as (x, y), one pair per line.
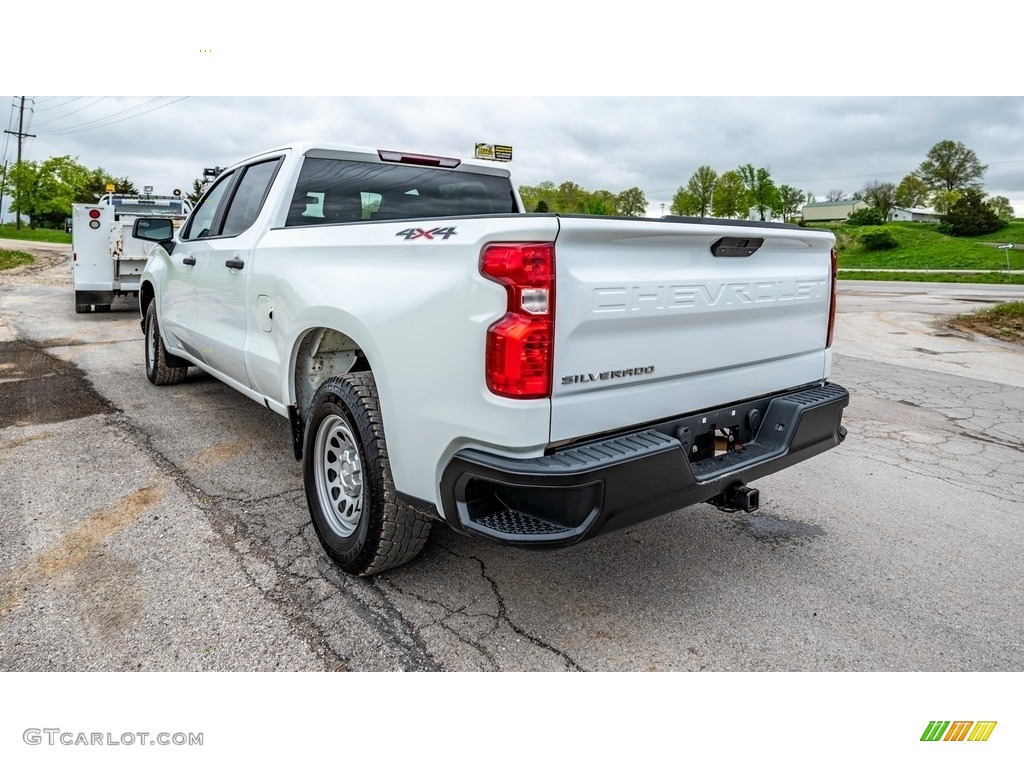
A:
(17, 185)
(764, 196)
(531, 196)
(632, 202)
(572, 198)
(949, 165)
(602, 203)
(684, 203)
(125, 186)
(791, 200)
(541, 207)
(944, 199)
(45, 191)
(970, 215)
(731, 196)
(1002, 208)
(199, 186)
(880, 195)
(912, 192)
(96, 186)
(701, 190)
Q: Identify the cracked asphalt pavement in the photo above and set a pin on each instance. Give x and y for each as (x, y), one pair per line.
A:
(146, 528)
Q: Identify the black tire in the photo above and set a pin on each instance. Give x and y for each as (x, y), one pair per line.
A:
(362, 524)
(83, 309)
(102, 307)
(161, 368)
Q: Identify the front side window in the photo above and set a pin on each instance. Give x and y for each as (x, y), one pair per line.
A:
(203, 217)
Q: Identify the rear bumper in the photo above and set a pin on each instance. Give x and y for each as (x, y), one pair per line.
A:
(586, 490)
(93, 295)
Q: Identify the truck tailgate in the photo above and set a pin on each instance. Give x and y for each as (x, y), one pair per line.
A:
(650, 323)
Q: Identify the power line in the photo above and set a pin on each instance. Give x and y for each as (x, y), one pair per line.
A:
(72, 100)
(102, 122)
(10, 124)
(71, 112)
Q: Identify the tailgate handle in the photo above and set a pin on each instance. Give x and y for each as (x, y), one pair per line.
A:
(234, 263)
(733, 247)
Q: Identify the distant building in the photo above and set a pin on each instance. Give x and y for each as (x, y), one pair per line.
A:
(913, 214)
(838, 210)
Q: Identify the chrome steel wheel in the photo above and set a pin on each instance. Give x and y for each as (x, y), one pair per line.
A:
(339, 475)
(362, 523)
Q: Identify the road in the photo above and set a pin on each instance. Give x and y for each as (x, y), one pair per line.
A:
(149, 528)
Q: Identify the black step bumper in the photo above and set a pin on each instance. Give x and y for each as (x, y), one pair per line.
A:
(586, 490)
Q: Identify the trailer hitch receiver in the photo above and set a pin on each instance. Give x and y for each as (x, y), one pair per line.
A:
(738, 498)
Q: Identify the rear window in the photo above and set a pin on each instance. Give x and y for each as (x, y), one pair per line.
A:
(339, 191)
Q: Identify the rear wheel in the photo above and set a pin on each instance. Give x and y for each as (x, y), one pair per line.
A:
(360, 521)
(161, 367)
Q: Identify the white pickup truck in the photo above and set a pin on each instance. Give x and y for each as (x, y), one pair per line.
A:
(532, 379)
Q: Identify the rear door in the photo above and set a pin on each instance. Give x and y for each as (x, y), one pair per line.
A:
(656, 319)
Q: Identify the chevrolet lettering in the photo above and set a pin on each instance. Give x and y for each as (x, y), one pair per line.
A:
(639, 298)
(445, 358)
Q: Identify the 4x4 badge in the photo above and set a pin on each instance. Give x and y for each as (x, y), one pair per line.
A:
(427, 234)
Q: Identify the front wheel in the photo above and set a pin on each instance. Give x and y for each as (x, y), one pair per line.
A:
(360, 521)
(161, 367)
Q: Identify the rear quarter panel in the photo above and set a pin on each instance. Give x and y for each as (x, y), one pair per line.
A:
(419, 309)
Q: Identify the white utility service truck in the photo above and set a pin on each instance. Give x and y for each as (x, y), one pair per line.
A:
(107, 261)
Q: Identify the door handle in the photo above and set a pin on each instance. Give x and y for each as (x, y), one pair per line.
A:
(234, 263)
(189, 261)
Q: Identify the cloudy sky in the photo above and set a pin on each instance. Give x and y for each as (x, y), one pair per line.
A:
(506, 74)
(653, 142)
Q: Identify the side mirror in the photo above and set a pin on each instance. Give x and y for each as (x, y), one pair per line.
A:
(155, 231)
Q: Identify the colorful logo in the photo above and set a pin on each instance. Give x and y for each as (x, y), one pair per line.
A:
(416, 233)
(958, 730)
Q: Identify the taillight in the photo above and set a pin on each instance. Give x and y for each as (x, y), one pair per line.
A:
(832, 301)
(94, 213)
(520, 344)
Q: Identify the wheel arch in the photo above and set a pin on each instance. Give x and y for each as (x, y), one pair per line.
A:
(318, 354)
(146, 294)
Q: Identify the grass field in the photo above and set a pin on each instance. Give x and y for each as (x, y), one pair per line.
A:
(34, 235)
(11, 259)
(922, 246)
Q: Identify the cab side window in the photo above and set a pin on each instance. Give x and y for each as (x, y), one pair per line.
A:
(249, 196)
(203, 217)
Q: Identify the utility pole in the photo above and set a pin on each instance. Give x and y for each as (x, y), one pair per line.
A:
(21, 137)
(3, 179)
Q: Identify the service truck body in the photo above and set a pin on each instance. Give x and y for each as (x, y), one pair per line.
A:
(536, 379)
(107, 261)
